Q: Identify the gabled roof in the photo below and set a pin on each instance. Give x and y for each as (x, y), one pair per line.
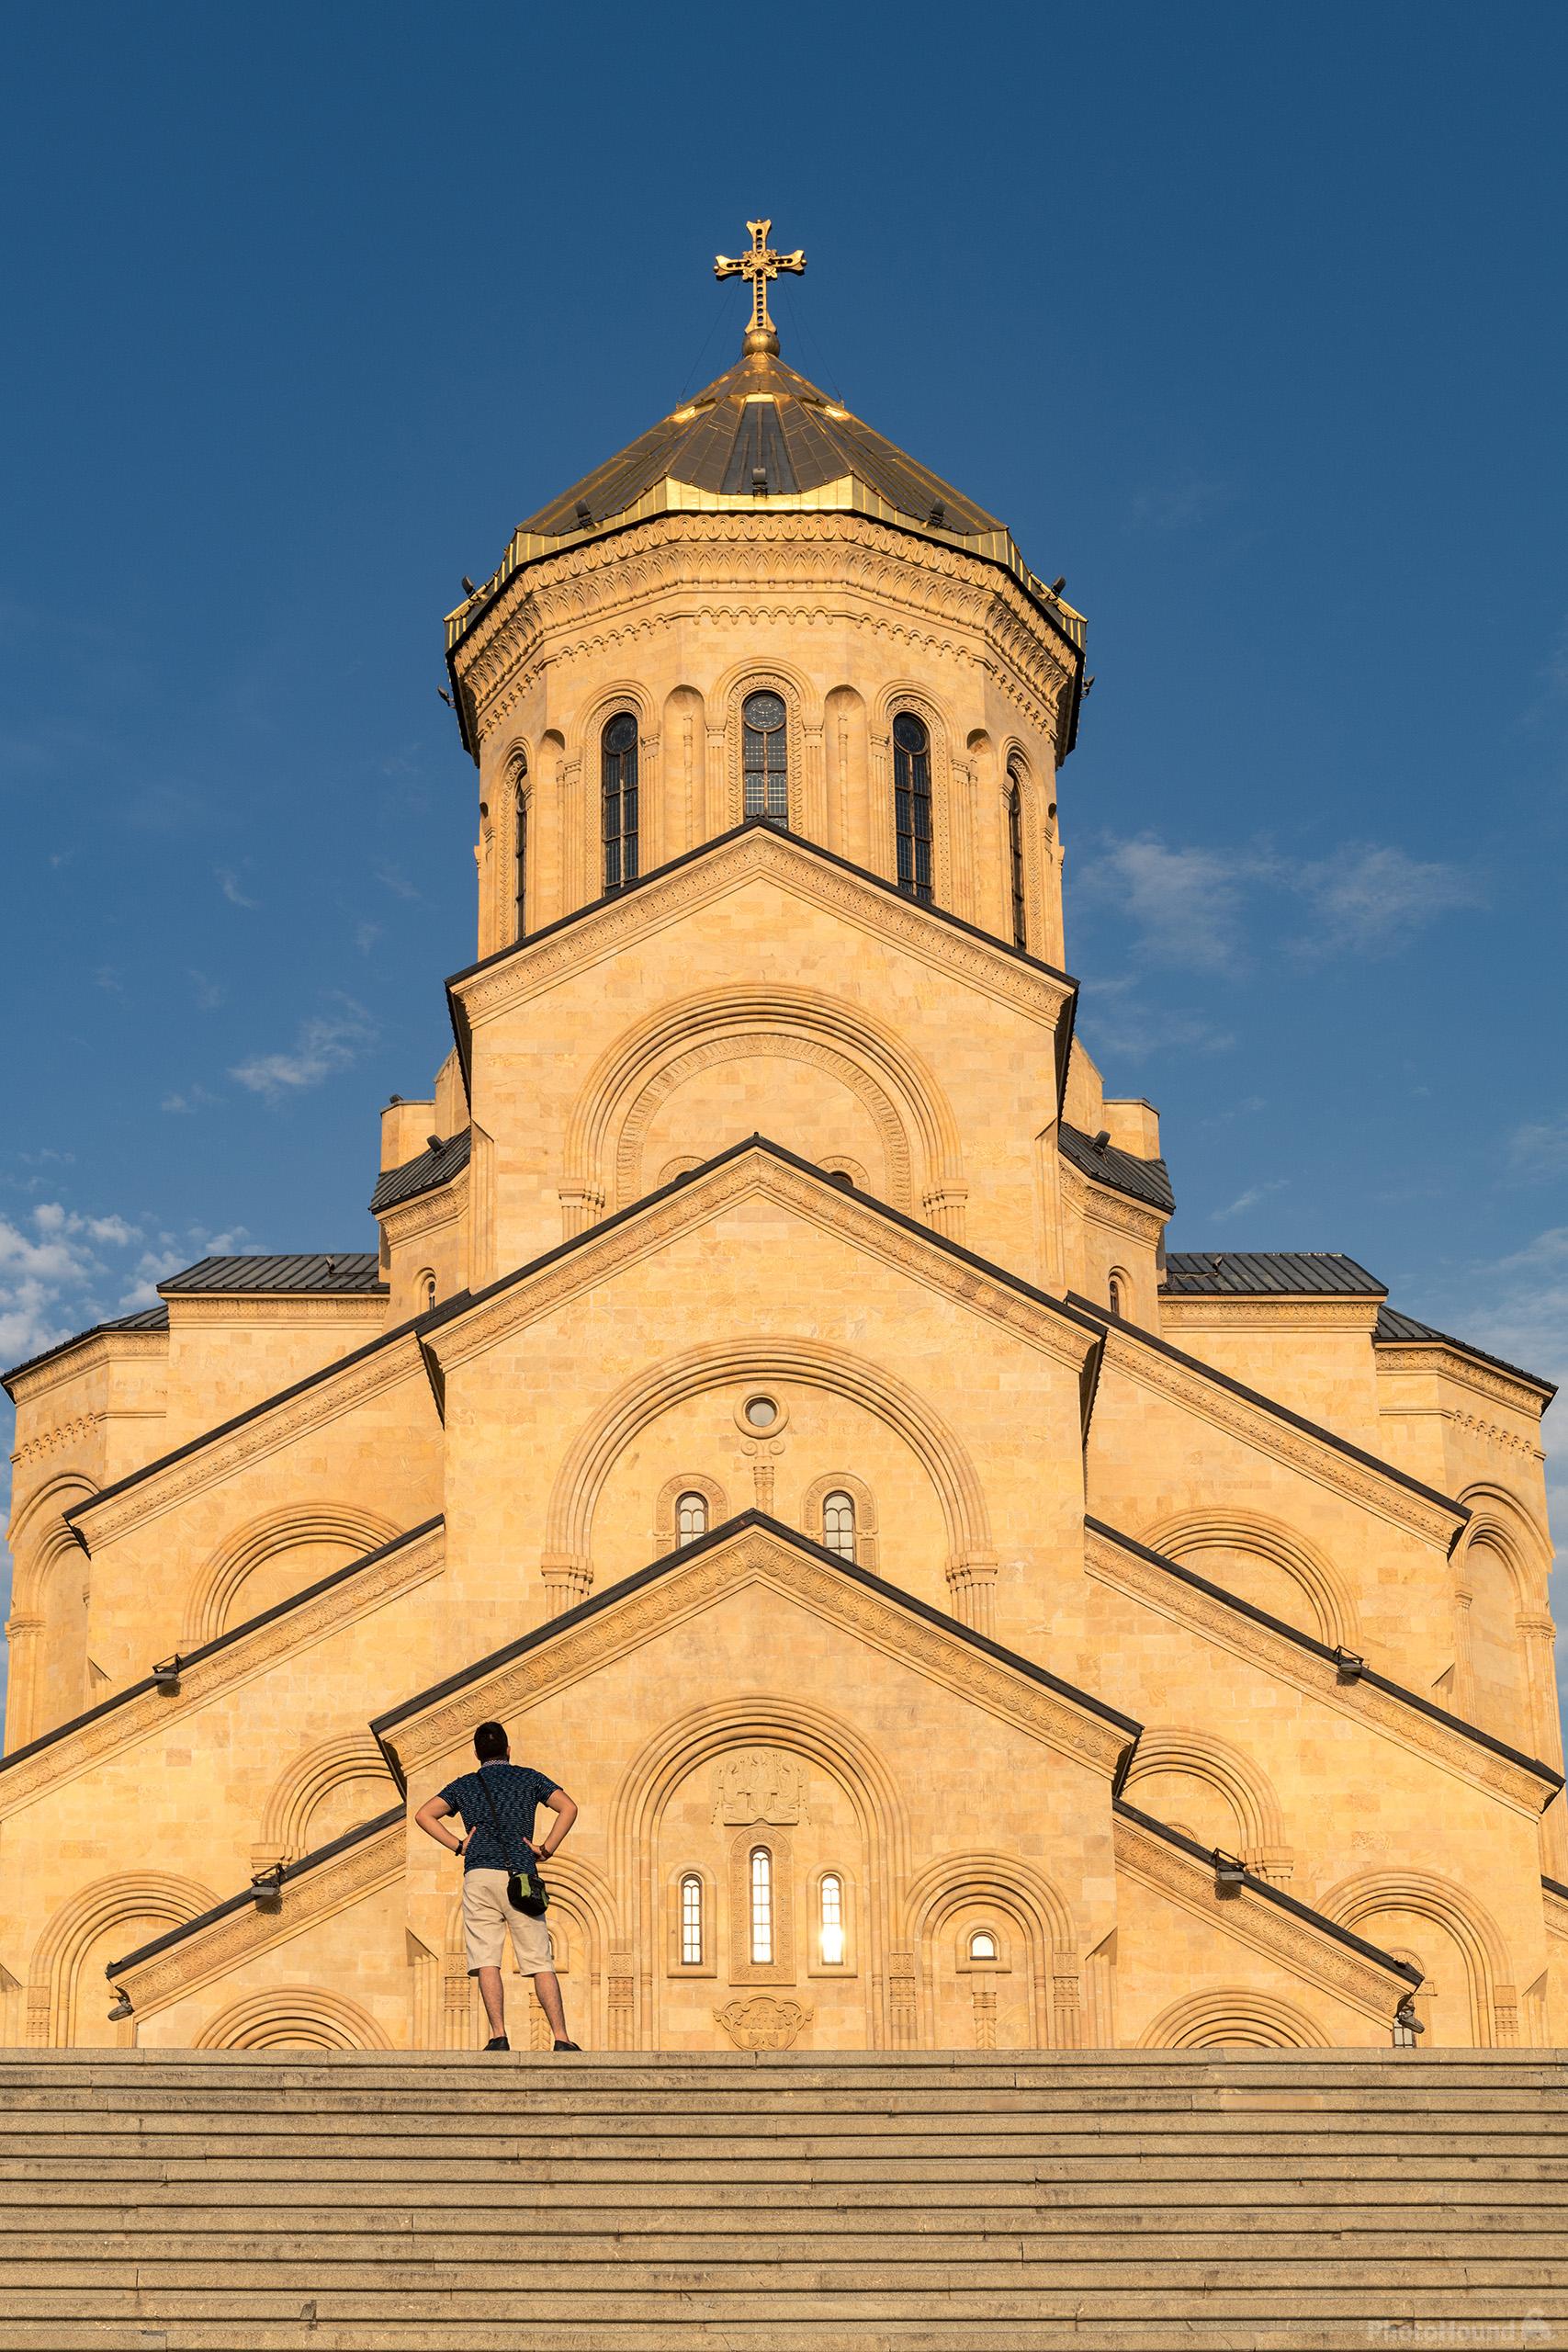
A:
(599, 1603)
(436, 1165)
(1268, 1273)
(1140, 1179)
(1392, 1329)
(342, 1271)
(146, 1318)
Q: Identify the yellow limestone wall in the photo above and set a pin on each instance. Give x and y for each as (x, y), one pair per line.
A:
(604, 1314)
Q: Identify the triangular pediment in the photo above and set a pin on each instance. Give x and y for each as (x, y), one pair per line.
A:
(803, 871)
(759, 1170)
(750, 1551)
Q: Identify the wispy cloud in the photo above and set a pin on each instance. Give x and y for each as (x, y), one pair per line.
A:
(109, 978)
(392, 877)
(1176, 505)
(210, 993)
(54, 1276)
(1250, 1198)
(328, 1041)
(1540, 1149)
(193, 1099)
(228, 883)
(1186, 906)
(1371, 899)
(1191, 906)
(366, 934)
(1132, 1025)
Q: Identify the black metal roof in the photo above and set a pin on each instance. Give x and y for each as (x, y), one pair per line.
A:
(435, 1165)
(146, 1318)
(1142, 1179)
(338, 1272)
(1268, 1273)
(1392, 1327)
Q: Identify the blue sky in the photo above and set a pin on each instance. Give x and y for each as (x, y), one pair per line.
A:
(1250, 321)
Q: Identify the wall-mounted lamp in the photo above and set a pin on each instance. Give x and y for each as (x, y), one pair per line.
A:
(167, 1674)
(1406, 2024)
(1230, 1875)
(267, 1888)
(1348, 1665)
(121, 2009)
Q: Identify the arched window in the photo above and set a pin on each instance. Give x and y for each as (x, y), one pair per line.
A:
(982, 1945)
(761, 1907)
(619, 775)
(838, 1524)
(520, 857)
(1118, 1295)
(765, 758)
(428, 1287)
(691, 1921)
(830, 1902)
(1015, 862)
(912, 804)
(691, 1518)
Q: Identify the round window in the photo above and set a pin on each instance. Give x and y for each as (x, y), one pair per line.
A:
(621, 733)
(762, 1412)
(764, 711)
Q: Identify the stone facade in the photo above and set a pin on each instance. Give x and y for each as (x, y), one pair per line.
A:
(794, 1247)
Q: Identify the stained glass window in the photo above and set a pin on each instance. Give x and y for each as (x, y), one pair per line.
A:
(619, 773)
(912, 804)
(765, 758)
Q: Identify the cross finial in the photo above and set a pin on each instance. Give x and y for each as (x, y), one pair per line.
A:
(760, 264)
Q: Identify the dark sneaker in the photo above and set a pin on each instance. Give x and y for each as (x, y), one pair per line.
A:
(500, 2043)
(568, 2045)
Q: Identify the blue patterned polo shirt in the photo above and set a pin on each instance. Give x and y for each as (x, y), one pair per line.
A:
(517, 1793)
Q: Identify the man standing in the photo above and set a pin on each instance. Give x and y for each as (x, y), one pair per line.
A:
(498, 1804)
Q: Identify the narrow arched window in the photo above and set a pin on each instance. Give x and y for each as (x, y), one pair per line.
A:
(1015, 864)
(765, 758)
(619, 776)
(912, 804)
(761, 1907)
(982, 1944)
(839, 1525)
(1118, 1306)
(691, 1921)
(691, 1518)
(830, 1908)
(429, 1289)
(520, 861)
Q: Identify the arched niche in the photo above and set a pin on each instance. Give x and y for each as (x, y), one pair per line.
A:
(1217, 1794)
(1268, 1564)
(1472, 1991)
(293, 2017)
(68, 1994)
(1235, 2018)
(273, 1557)
(334, 1786)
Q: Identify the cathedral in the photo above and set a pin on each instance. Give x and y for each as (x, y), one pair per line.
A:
(964, 1623)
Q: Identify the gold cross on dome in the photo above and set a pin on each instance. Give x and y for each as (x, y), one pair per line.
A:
(760, 264)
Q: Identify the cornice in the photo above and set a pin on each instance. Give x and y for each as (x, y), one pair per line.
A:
(596, 1257)
(91, 1355)
(1153, 1364)
(1183, 1598)
(221, 1453)
(239, 1936)
(608, 926)
(749, 567)
(1204, 1312)
(148, 1714)
(1103, 1204)
(246, 1306)
(1250, 1919)
(618, 1622)
(1395, 1356)
(426, 1212)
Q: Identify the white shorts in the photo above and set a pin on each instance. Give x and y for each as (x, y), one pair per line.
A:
(487, 1918)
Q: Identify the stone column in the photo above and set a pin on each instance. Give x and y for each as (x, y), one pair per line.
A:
(23, 1628)
(971, 1582)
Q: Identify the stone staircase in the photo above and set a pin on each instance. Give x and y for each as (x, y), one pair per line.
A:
(914, 2203)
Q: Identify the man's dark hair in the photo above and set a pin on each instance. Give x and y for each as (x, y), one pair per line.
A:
(491, 1743)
